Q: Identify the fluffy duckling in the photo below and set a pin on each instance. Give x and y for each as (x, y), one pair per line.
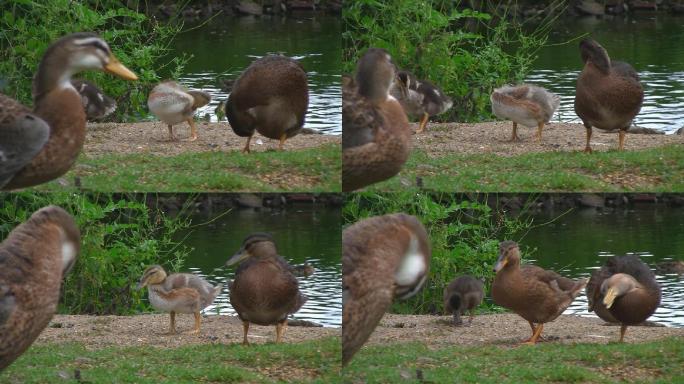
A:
(270, 97)
(173, 104)
(609, 94)
(97, 105)
(375, 131)
(464, 293)
(383, 258)
(34, 259)
(526, 105)
(419, 97)
(304, 270)
(537, 295)
(178, 293)
(623, 291)
(264, 290)
(42, 144)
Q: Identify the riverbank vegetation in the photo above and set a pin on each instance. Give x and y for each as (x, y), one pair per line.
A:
(28, 27)
(460, 49)
(120, 237)
(464, 234)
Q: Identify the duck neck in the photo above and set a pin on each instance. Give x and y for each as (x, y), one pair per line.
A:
(53, 72)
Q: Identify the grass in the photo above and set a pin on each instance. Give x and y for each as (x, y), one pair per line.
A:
(315, 361)
(311, 170)
(650, 170)
(655, 362)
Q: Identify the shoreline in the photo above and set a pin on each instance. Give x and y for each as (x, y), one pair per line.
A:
(507, 330)
(150, 138)
(97, 332)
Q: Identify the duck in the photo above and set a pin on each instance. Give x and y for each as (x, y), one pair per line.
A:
(178, 293)
(535, 294)
(609, 94)
(303, 270)
(174, 104)
(419, 97)
(671, 266)
(97, 105)
(264, 290)
(525, 104)
(42, 144)
(34, 260)
(383, 258)
(464, 293)
(624, 290)
(375, 130)
(270, 97)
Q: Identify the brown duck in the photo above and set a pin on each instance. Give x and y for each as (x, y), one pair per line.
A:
(419, 97)
(270, 97)
(40, 145)
(609, 94)
(264, 290)
(34, 258)
(464, 293)
(537, 295)
(375, 130)
(383, 258)
(623, 291)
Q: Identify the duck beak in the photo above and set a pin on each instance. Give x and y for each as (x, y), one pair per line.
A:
(116, 68)
(141, 284)
(500, 264)
(609, 298)
(238, 257)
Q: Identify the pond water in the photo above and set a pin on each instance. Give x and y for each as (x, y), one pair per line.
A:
(303, 233)
(580, 241)
(226, 46)
(650, 42)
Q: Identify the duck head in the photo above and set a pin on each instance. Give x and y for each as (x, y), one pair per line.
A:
(255, 245)
(154, 274)
(375, 73)
(509, 255)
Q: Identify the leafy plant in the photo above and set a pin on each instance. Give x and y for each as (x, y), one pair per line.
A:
(464, 235)
(28, 27)
(465, 51)
(120, 237)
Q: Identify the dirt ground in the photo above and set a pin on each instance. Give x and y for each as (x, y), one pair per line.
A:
(152, 138)
(103, 331)
(492, 137)
(506, 330)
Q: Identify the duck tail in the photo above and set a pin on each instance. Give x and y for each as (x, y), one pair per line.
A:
(200, 98)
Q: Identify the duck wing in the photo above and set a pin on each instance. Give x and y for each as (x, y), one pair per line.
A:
(22, 136)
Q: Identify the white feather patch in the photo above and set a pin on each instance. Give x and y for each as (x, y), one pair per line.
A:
(412, 265)
(68, 253)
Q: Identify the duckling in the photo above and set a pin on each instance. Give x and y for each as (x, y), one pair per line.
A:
(174, 104)
(304, 270)
(623, 291)
(270, 97)
(375, 130)
(419, 97)
(525, 104)
(383, 258)
(178, 293)
(609, 94)
(535, 294)
(671, 266)
(463, 293)
(34, 259)
(97, 105)
(264, 290)
(40, 145)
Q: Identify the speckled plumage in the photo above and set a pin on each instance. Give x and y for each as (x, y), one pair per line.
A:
(96, 104)
(376, 269)
(34, 258)
(524, 104)
(419, 98)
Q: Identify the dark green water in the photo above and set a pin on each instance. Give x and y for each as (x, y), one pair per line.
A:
(303, 233)
(227, 45)
(651, 42)
(580, 241)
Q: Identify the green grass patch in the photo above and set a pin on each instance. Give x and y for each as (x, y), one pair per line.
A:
(311, 170)
(654, 362)
(315, 361)
(650, 170)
